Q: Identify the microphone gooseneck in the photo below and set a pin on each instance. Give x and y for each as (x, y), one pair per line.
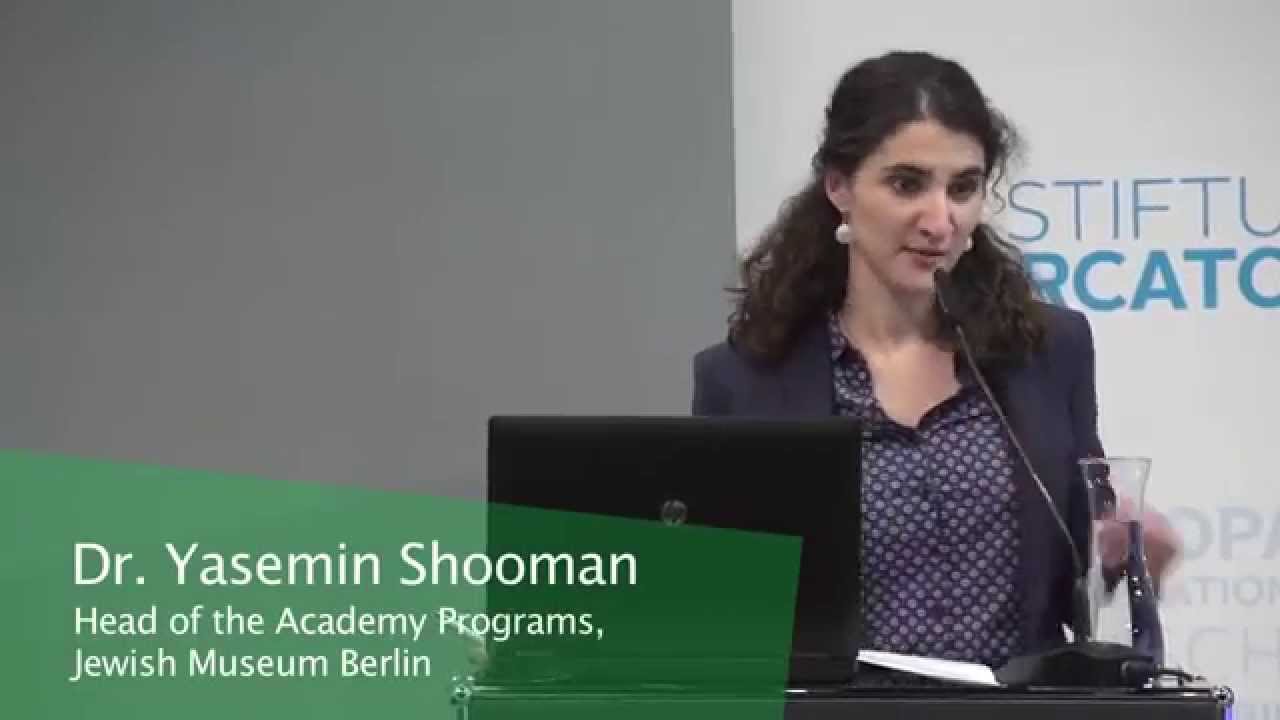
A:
(1085, 662)
(946, 304)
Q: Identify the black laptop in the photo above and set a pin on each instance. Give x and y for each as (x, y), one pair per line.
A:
(794, 477)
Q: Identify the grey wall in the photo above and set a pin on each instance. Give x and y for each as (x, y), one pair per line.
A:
(326, 240)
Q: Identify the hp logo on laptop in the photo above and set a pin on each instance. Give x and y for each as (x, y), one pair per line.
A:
(674, 512)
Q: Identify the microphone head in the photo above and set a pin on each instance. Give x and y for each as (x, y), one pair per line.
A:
(943, 291)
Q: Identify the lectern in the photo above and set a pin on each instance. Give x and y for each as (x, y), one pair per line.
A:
(1188, 703)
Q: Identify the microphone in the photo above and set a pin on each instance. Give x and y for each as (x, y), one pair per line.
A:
(944, 292)
(1085, 662)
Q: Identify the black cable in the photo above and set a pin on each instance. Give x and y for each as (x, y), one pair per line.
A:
(1182, 676)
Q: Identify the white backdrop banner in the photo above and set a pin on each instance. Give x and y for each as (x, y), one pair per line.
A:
(1151, 201)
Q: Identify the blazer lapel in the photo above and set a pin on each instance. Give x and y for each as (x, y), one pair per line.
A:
(807, 387)
(1020, 394)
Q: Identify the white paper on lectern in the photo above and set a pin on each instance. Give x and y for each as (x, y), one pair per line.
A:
(937, 668)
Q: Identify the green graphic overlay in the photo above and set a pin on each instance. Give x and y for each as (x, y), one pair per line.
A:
(141, 592)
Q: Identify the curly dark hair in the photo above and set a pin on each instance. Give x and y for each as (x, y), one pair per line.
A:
(796, 273)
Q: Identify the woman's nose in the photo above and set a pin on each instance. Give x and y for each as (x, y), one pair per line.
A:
(937, 216)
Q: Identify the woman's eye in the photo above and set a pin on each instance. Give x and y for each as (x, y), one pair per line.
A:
(905, 185)
(964, 190)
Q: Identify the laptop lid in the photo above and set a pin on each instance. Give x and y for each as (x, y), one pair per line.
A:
(795, 477)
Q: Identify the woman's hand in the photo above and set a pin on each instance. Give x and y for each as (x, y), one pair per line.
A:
(1162, 544)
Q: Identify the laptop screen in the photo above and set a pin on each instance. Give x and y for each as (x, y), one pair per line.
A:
(798, 478)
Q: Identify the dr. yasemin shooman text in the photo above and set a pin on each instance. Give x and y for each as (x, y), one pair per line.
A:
(420, 564)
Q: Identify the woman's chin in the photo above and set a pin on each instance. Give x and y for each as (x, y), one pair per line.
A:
(914, 280)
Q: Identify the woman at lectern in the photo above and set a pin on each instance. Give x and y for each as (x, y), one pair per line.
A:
(841, 310)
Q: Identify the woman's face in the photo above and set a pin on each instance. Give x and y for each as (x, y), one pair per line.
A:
(912, 204)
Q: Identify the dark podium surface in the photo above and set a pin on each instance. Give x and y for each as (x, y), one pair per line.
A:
(1191, 703)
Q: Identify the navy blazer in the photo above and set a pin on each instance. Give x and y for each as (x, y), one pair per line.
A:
(1050, 401)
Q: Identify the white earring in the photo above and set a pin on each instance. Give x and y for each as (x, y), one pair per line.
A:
(968, 243)
(844, 233)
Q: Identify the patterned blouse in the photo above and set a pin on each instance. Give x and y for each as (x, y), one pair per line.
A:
(939, 529)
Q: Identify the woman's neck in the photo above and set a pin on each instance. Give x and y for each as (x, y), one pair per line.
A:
(878, 318)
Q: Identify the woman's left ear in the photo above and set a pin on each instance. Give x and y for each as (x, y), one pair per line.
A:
(837, 188)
